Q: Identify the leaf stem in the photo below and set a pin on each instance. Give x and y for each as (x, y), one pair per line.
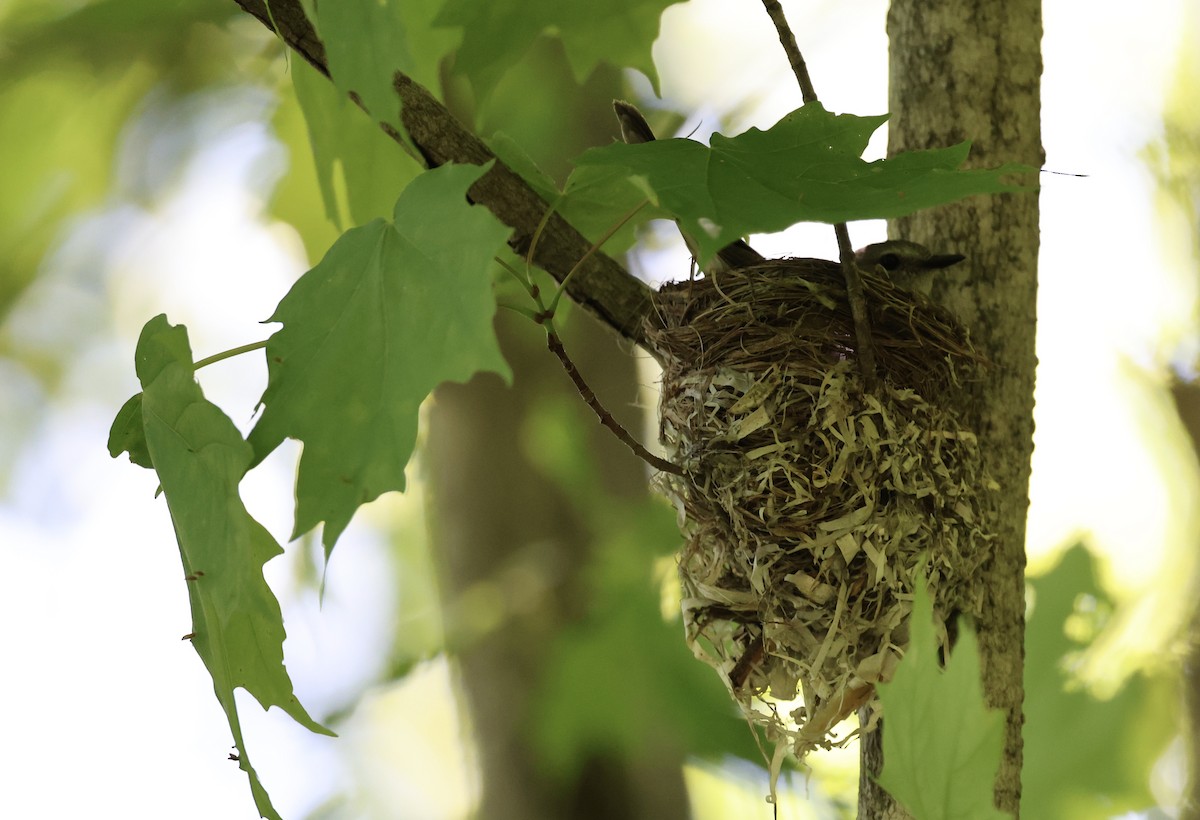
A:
(524, 280)
(562, 286)
(526, 312)
(229, 354)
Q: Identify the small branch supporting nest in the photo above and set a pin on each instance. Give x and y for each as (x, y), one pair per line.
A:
(788, 41)
(854, 287)
(556, 347)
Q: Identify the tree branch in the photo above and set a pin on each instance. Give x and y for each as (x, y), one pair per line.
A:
(606, 418)
(601, 285)
(865, 342)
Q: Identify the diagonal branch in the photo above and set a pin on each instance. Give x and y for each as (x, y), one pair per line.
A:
(600, 285)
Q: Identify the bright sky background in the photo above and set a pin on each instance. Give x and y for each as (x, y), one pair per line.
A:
(109, 713)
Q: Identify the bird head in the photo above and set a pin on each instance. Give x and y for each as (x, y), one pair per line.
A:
(902, 259)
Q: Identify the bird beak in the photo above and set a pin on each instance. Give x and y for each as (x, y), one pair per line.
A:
(943, 260)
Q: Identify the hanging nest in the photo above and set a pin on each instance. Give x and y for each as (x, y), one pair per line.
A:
(809, 505)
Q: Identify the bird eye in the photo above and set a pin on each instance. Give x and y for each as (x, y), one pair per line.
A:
(889, 261)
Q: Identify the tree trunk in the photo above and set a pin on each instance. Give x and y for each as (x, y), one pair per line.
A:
(970, 69)
(1187, 402)
(499, 518)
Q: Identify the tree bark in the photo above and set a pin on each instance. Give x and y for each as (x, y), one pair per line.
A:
(970, 69)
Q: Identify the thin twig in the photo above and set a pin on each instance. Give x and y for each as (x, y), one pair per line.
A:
(556, 347)
(854, 286)
(788, 41)
(544, 316)
(858, 305)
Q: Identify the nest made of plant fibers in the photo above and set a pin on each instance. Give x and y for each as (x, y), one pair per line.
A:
(809, 505)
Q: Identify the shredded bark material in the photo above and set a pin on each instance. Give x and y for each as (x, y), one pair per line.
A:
(808, 506)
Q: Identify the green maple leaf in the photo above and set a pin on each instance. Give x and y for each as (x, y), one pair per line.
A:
(346, 143)
(599, 198)
(497, 33)
(941, 743)
(391, 311)
(367, 41)
(807, 167)
(200, 458)
(128, 434)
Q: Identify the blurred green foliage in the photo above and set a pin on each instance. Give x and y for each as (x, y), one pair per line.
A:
(1085, 757)
(621, 680)
(71, 76)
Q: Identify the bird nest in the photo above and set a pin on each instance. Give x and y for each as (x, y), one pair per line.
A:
(809, 504)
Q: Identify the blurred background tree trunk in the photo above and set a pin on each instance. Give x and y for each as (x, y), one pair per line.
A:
(972, 70)
(1187, 400)
(1174, 159)
(510, 537)
(513, 553)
